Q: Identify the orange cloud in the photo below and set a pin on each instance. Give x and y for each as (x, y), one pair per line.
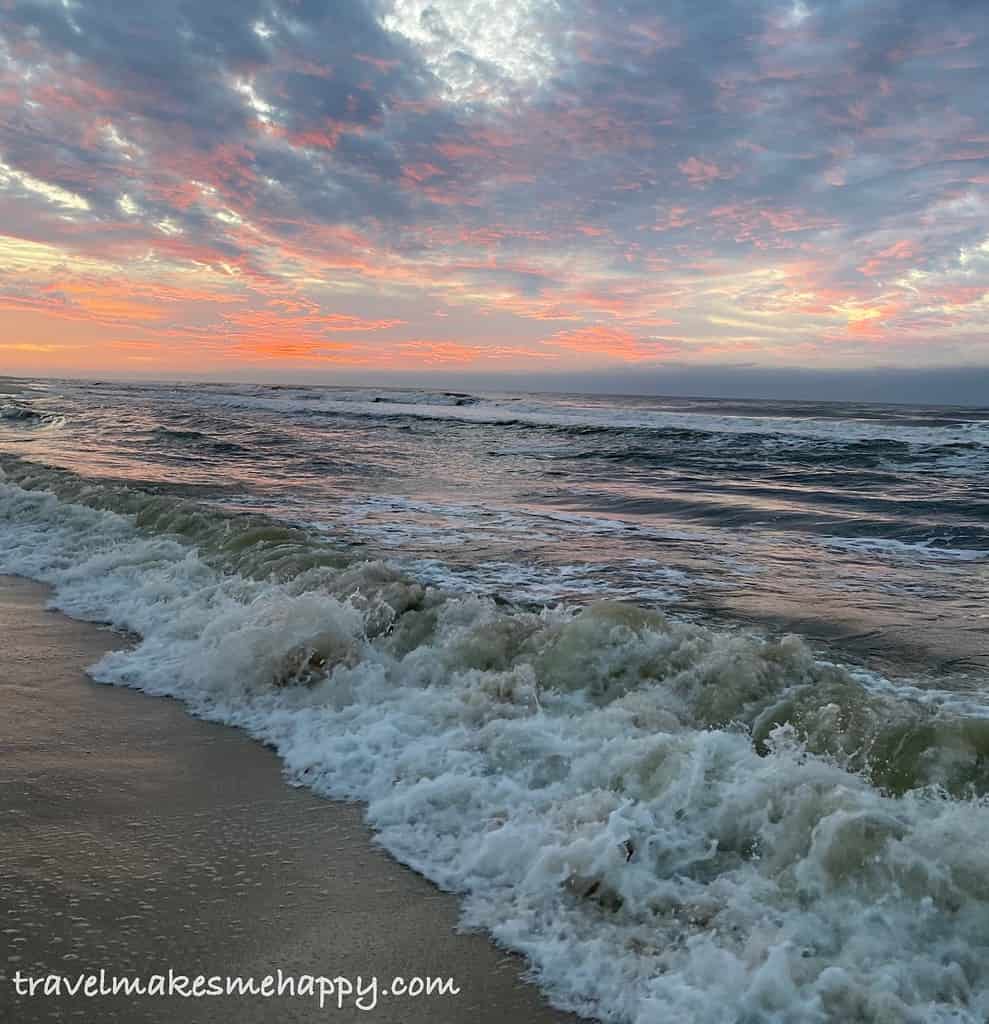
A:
(438, 353)
(610, 343)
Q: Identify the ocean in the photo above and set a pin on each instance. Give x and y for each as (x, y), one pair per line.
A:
(687, 698)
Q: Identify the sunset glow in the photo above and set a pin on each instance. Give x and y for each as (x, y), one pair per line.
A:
(230, 187)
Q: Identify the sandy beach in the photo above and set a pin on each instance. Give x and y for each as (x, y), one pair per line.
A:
(138, 839)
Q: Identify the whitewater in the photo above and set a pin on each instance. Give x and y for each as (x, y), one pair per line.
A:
(672, 811)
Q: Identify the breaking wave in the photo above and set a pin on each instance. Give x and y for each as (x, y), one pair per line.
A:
(652, 437)
(443, 398)
(22, 415)
(670, 821)
(964, 429)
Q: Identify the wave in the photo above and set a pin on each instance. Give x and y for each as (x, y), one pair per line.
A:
(302, 392)
(18, 414)
(864, 440)
(878, 520)
(607, 418)
(937, 548)
(668, 820)
(169, 434)
(651, 437)
(455, 398)
(196, 441)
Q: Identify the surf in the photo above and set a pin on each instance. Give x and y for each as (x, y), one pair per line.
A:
(665, 818)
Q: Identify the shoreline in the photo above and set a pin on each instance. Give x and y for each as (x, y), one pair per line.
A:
(140, 839)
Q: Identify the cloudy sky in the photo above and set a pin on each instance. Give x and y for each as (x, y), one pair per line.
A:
(319, 187)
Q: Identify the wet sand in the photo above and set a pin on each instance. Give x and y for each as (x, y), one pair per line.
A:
(136, 839)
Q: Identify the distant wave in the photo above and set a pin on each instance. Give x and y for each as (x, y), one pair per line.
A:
(934, 548)
(17, 414)
(961, 436)
(195, 441)
(193, 436)
(653, 444)
(454, 398)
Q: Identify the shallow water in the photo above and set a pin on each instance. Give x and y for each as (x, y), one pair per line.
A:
(543, 638)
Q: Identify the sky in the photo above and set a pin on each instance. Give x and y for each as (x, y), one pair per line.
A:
(581, 190)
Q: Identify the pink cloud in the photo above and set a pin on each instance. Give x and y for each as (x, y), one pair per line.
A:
(702, 172)
(898, 252)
